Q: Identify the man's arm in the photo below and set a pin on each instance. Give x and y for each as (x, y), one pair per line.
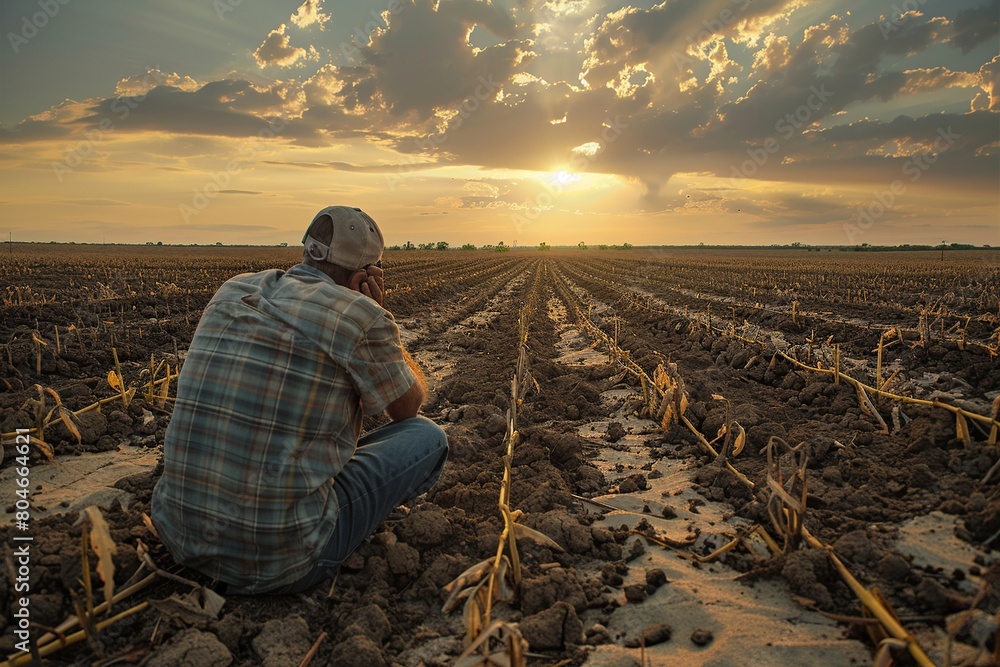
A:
(408, 405)
(370, 282)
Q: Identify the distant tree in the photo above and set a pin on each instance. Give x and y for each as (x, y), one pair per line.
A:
(442, 245)
(626, 246)
(425, 246)
(283, 244)
(161, 243)
(468, 246)
(581, 245)
(500, 247)
(408, 246)
(218, 243)
(602, 246)
(543, 246)
(149, 243)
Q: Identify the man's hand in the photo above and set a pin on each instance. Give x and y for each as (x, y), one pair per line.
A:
(368, 281)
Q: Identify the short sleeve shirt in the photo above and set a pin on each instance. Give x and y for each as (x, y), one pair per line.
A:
(270, 400)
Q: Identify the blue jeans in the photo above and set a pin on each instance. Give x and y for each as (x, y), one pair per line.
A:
(391, 465)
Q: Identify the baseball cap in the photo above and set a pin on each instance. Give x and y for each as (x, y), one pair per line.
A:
(355, 243)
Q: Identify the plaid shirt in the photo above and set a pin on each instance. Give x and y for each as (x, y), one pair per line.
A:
(269, 407)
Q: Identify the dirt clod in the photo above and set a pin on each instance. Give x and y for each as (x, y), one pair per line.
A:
(701, 637)
(553, 628)
(192, 648)
(635, 593)
(282, 641)
(358, 650)
(652, 635)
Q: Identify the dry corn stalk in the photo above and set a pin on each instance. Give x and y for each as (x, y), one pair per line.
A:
(499, 577)
(735, 436)
(511, 649)
(996, 417)
(117, 380)
(786, 503)
(669, 401)
(869, 408)
(989, 420)
(871, 602)
(925, 330)
(76, 637)
(962, 430)
(104, 546)
(39, 344)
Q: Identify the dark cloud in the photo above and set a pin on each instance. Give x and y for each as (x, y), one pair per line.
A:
(34, 130)
(974, 26)
(225, 108)
(423, 61)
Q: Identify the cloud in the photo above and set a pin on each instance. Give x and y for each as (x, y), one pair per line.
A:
(356, 168)
(93, 201)
(310, 13)
(423, 61)
(666, 37)
(919, 80)
(277, 51)
(773, 57)
(683, 90)
(224, 108)
(974, 26)
(989, 75)
(140, 84)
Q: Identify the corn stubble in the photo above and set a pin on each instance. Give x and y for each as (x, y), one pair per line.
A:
(787, 467)
(490, 642)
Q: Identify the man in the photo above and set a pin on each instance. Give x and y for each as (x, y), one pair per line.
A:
(266, 485)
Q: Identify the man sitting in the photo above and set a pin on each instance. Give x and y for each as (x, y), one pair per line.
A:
(268, 484)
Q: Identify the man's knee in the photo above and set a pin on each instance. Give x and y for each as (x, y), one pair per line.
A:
(423, 430)
(434, 433)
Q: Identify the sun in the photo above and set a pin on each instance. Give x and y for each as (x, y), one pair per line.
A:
(563, 178)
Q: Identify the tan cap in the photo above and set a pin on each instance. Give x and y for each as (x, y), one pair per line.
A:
(355, 243)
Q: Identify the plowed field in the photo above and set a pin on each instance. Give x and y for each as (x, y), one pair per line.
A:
(829, 417)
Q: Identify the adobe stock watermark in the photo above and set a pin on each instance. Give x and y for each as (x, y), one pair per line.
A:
(120, 109)
(220, 180)
(19, 559)
(786, 127)
(486, 89)
(882, 201)
(30, 25)
(901, 14)
(580, 163)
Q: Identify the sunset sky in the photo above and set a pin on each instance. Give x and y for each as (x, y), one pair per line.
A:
(689, 121)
